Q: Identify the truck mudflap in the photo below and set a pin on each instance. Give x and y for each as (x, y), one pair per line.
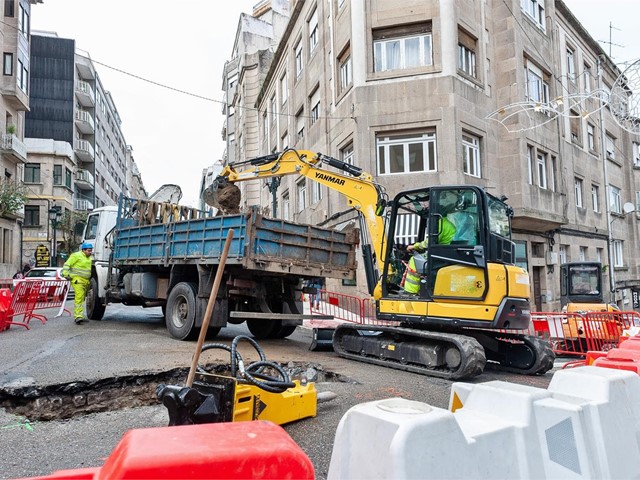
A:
(436, 354)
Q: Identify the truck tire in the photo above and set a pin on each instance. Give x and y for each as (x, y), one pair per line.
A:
(262, 329)
(284, 331)
(181, 311)
(95, 307)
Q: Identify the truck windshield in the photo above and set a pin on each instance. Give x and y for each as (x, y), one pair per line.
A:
(499, 218)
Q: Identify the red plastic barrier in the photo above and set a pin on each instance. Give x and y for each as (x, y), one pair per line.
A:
(621, 360)
(237, 450)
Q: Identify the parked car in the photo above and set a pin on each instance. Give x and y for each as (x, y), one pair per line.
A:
(46, 273)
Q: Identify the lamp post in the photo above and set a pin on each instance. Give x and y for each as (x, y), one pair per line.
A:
(54, 217)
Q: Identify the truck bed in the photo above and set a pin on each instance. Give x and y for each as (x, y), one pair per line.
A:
(260, 243)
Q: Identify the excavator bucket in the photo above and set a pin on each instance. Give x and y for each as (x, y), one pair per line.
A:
(222, 195)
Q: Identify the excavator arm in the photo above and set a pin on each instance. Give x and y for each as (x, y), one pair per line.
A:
(358, 187)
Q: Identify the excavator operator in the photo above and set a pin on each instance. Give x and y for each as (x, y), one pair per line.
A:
(446, 233)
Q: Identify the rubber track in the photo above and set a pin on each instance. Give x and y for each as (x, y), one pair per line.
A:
(544, 355)
(471, 352)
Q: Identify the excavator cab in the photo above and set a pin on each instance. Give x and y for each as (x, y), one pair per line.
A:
(449, 220)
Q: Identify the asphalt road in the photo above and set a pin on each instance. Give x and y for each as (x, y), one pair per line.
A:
(134, 341)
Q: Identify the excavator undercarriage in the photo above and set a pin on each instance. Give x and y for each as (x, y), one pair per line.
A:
(444, 354)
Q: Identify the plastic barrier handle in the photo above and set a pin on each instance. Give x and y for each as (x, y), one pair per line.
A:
(209, 310)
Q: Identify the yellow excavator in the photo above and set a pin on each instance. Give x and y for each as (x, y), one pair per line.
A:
(470, 296)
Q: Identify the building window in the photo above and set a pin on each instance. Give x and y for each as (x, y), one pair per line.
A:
(595, 198)
(571, 64)
(530, 156)
(537, 83)
(599, 253)
(346, 154)
(402, 47)
(535, 11)
(552, 174)
(542, 169)
(31, 216)
(578, 190)
(587, 78)
(23, 77)
(314, 105)
(574, 122)
(471, 155)
(273, 108)
(618, 259)
(313, 31)
(406, 153)
(636, 154)
(583, 254)
(316, 192)
(23, 20)
(611, 147)
(637, 201)
(8, 64)
(562, 254)
(298, 58)
(67, 178)
(9, 8)
(301, 188)
(286, 206)
(32, 173)
(300, 124)
(57, 174)
(615, 200)
(467, 53)
(284, 94)
(344, 62)
(591, 137)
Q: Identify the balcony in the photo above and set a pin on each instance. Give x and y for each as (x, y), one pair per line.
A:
(81, 205)
(85, 94)
(84, 122)
(13, 148)
(14, 96)
(84, 179)
(84, 151)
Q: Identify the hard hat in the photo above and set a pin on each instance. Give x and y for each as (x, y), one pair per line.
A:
(86, 245)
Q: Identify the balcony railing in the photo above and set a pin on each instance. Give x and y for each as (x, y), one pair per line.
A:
(84, 150)
(84, 92)
(84, 122)
(14, 148)
(82, 205)
(84, 179)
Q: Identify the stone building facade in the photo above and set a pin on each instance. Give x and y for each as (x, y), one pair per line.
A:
(423, 92)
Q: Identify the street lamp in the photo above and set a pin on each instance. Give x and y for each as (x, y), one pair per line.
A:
(54, 217)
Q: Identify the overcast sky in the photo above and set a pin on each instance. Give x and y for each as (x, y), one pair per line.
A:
(180, 43)
(184, 44)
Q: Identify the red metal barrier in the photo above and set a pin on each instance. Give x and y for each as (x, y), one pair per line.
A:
(574, 334)
(18, 307)
(348, 308)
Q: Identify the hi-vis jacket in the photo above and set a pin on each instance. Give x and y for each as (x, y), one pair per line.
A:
(77, 266)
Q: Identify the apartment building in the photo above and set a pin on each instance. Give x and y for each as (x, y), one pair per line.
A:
(14, 102)
(421, 92)
(69, 105)
(257, 38)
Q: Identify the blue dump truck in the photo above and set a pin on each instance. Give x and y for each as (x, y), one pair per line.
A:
(161, 254)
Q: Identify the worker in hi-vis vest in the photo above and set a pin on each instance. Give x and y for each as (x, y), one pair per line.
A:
(77, 269)
(447, 231)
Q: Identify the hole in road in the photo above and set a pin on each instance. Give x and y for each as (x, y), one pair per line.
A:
(68, 400)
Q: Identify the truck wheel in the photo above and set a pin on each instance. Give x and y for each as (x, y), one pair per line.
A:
(284, 331)
(181, 311)
(262, 329)
(95, 307)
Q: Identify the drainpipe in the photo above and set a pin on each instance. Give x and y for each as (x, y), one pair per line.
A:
(603, 149)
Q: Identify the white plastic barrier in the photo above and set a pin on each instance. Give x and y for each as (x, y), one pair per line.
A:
(586, 425)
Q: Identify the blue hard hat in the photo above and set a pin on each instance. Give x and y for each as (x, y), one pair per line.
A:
(86, 245)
